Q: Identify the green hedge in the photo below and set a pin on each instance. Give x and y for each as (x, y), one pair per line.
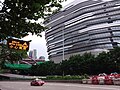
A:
(68, 77)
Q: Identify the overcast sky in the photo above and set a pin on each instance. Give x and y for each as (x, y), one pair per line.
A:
(39, 43)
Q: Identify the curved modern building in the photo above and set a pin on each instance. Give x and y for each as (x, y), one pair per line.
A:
(89, 26)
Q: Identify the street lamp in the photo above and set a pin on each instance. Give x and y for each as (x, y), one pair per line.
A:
(63, 42)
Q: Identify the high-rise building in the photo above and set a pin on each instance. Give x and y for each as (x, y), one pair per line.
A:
(33, 54)
(89, 26)
(30, 53)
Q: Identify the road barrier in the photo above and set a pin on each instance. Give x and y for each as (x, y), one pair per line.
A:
(116, 81)
(95, 81)
(108, 80)
(101, 81)
(84, 81)
(89, 81)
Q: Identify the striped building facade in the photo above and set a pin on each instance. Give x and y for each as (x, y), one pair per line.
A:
(89, 26)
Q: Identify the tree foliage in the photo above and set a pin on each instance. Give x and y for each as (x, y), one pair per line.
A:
(114, 56)
(11, 55)
(105, 62)
(46, 68)
(16, 16)
(102, 63)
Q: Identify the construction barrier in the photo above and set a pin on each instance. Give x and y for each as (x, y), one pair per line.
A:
(89, 81)
(116, 81)
(95, 80)
(84, 81)
(108, 80)
(101, 81)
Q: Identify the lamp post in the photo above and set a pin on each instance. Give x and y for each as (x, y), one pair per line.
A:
(63, 42)
(63, 57)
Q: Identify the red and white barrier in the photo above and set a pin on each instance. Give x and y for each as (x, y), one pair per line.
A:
(112, 79)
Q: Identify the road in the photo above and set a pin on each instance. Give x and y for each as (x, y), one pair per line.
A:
(16, 85)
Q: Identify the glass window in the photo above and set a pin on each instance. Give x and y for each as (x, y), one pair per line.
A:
(100, 35)
(78, 18)
(115, 28)
(116, 33)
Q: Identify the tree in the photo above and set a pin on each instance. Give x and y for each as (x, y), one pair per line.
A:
(102, 63)
(65, 65)
(75, 64)
(11, 55)
(18, 19)
(114, 55)
(87, 63)
(46, 68)
(16, 16)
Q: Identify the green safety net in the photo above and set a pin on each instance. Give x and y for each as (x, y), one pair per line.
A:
(18, 66)
(39, 62)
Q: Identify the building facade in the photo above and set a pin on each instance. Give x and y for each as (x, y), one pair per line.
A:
(89, 26)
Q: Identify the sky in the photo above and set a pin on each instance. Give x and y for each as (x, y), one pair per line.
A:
(39, 43)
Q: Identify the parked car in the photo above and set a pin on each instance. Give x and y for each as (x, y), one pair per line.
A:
(37, 82)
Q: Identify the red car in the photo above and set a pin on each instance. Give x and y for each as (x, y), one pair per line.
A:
(37, 82)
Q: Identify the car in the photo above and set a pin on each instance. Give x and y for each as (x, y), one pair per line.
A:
(37, 82)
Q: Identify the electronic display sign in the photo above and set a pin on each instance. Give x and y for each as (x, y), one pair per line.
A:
(18, 44)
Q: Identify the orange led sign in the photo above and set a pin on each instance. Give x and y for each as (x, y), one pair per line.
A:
(18, 44)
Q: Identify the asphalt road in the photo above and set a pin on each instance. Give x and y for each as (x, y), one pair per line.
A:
(8, 85)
